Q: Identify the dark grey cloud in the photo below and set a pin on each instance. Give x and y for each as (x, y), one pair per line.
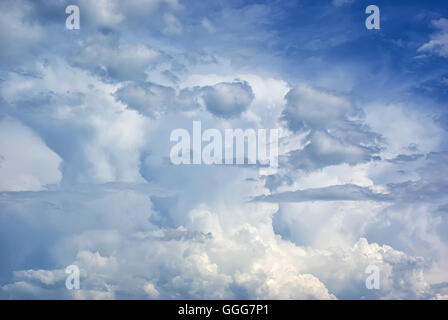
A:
(227, 100)
(105, 56)
(406, 158)
(325, 150)
(337, 133)
(153, 100)
(346, 192)
(431, 186)
(224, 100)
(309, 108)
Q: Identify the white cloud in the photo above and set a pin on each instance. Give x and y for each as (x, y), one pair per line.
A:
(26, 163)
(64, 94)
(128, 256)
(439, 40)
(152, 292)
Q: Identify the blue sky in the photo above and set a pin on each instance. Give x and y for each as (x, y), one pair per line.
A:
(85, 171)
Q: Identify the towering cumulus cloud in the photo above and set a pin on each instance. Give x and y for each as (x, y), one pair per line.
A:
(86, 178)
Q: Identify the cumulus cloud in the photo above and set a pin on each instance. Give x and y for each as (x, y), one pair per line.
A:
(167, 267)
(86, 179)
(121, 257)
